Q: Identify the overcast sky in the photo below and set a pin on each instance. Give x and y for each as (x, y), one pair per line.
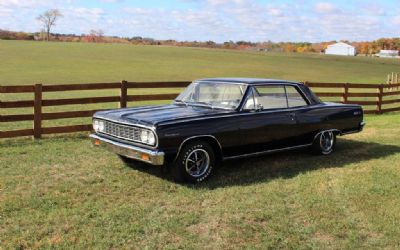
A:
(218, 20)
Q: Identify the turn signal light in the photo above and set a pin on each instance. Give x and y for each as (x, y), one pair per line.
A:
(145, 157)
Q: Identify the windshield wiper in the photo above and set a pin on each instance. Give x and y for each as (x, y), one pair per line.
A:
(203, 104)
(180, 101)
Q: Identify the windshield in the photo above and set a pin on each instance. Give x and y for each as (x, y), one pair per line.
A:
(213, 94)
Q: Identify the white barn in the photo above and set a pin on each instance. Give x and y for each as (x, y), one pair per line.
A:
(341, 49)
(388, 53)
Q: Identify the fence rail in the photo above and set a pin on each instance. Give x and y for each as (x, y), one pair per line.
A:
(382, 90)
(123, 98)
(38, 103)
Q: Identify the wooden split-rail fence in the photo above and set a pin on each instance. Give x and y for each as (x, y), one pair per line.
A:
(342, 90)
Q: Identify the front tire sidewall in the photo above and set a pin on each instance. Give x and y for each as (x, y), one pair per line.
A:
(179, 171)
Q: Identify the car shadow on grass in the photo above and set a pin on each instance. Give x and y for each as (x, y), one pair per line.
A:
(247, 171)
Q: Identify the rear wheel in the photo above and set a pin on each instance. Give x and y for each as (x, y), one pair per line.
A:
(195, 162)
(324, 143)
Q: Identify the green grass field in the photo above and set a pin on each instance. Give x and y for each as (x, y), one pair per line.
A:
(60, 192)
(63, 193)
(33, 62)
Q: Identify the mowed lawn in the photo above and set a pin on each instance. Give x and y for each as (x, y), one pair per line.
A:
(62, 193)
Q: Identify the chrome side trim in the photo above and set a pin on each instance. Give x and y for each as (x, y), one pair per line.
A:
(266, 152)
(155, 157)
(196, 137)
(235, 113)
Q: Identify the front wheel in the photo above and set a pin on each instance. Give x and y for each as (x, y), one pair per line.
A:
(195, 162)
(324, 143)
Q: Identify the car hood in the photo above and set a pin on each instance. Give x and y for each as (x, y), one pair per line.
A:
(155, 115)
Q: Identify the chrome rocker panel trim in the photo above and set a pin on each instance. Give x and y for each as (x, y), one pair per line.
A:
(155, 157)
(267, 152)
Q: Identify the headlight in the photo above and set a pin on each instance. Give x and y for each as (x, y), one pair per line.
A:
(101, 126)
(144, 136)
(98, 125)
(147, 136)
(152, 138)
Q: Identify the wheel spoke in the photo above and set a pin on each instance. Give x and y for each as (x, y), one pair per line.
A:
(326, 140)
(201, 159)
(193, 166)
(197, 162)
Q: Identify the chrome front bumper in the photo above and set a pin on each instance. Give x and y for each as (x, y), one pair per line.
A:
(153, 157)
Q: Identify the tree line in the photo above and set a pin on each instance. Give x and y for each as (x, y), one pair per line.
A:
(97, 36)
(50, 17)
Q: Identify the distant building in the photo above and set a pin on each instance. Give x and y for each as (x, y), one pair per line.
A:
(341, 49)
(388, 53)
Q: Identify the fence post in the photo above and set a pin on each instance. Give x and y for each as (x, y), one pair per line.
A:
(124, 94)
(345, 93)
(379, 99)
(37, 112)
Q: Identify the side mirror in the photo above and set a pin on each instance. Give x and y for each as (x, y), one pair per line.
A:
(259, 107)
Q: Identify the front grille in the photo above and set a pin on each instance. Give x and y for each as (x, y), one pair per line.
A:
(122, 131)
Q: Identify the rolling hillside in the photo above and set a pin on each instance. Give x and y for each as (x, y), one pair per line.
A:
(25, 62)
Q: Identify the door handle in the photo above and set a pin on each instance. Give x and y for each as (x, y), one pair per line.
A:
(292, 116)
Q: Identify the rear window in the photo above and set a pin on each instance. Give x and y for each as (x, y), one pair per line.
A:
(295, 99)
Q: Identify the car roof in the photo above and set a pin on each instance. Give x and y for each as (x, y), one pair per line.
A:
(244, 80)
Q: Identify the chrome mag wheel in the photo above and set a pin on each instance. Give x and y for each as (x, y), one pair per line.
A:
(197, 162)
(327, 141)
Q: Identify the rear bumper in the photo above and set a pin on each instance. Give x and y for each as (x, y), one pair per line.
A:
(153, 157)
(362, 124)
(360, 128)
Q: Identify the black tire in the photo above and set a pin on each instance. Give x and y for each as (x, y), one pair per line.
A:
(195, 162)
(324, 143)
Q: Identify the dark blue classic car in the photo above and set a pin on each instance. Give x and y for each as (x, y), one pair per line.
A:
(225, 118)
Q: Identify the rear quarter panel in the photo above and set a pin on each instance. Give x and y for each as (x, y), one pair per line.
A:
(326, 116)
